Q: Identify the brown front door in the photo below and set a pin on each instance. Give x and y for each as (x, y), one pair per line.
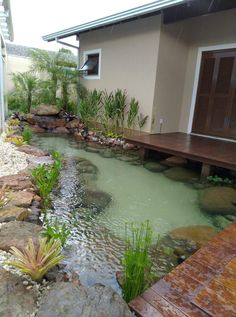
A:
(215, 109)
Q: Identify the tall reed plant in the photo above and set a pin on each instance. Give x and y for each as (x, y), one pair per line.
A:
(136, 261)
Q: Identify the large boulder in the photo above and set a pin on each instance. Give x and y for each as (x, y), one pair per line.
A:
(32, 150)
(16, 299)
(154, 167)
(12, 213)
(21, 198)
(67, 299)
(49, 122)
(61, 130)
(46, 110)
(96, 200)
(218, 200)
(17, 234)
(30, 118)
(181, 174)
(198, 234)
(73, 124)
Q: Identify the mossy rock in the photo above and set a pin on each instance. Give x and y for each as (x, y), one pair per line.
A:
(218, 200)
(181, 174)
(92, 149)
(174, 161)
(128, 159)
(106, 153)
(221, 222)
(154, 167)
(96, 200)
(85, 166)
(198, 234)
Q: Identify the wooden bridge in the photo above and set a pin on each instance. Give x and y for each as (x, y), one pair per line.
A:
(204, 285)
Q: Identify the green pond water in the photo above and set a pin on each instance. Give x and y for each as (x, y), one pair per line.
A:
(96, 244)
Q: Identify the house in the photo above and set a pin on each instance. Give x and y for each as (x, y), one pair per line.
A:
(6, 34)
(177, 57)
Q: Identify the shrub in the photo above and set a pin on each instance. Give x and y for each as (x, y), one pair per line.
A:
(136, 261)
(27, 135)
(219, 181)
(37, 261)
(56, 233)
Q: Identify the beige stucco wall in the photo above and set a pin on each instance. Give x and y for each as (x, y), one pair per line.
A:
(209, 30)
(128, 60)
(15, 64)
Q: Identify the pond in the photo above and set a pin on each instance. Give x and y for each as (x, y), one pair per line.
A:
(96, 244)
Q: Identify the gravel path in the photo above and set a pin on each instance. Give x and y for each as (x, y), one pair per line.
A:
(11, 160)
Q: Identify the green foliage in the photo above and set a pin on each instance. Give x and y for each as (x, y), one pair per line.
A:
(17, 140)
(37, 261)
(141, 120)
(219, 181)
(27, 135)
(136, 261)
(57, 233)
(46, 176)
(16, 102)
(89, 107)
(133, 112)
(26, 85)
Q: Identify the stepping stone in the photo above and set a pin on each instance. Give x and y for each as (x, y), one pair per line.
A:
(154, 167)
(181, 174)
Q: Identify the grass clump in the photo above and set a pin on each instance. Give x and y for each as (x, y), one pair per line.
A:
(27, 135)
(136, 261)
(46, 177)
(36, 261)
(54, 232)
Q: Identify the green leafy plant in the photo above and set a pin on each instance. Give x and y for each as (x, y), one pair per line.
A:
(141, 120)
(56, 233)
(36, 261)
(17, 140)
(133, 112)
(90, 106)
(27, 135)
(219, 181)
(46, 176)
(136, 261)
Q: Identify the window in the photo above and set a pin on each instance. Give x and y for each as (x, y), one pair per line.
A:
(92, 63)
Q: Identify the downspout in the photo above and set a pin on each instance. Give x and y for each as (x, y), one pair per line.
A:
(2, 108)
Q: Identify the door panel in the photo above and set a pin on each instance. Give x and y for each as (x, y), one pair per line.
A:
(215, 112)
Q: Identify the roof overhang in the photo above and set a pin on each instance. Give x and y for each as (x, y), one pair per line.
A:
(135, 13)
(6, 26)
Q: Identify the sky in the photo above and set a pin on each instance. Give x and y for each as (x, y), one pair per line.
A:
(34, 18)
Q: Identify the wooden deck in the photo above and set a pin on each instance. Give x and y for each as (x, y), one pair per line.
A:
(205, 150)
(203, 285)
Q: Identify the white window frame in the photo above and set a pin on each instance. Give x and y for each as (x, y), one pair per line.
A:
(196, 79)
(85, 57)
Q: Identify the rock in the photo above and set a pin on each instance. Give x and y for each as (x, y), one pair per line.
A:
(17, 234)
(97, 200)
(127, 159)
(46, 110)
(37, 129)
(67, 299)
(15, 299)
(218, 200)
(49, 122)
(198, 234)
(92, 149)
(16, 182)
(173, 161)
(181, 174)
(12, 213)
(221, 222)
(87, 167)
(39, 160)
(128, 146)
(32, 150)
(30, 118)
(73, 124)
(62, 130)
(21, 198)
(154, 167)
(107, 153)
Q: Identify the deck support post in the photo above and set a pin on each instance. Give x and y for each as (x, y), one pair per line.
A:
(206, 171)
(143, 153)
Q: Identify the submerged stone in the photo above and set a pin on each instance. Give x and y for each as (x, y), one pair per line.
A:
(97, 200)
(181, 174)
(174, 161)
(218, 200)
(200, 235)
(127, 159)
(221, 222)
(154, 167)
(67, 299)
(107, 153)
(85, 166)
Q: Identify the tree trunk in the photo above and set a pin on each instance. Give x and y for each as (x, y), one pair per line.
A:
(29, 101)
